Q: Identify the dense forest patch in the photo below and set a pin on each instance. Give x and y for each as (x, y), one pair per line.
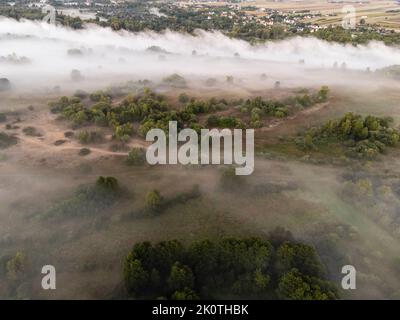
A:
(240, 268)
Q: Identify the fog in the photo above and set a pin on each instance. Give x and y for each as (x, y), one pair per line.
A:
(308, 199)
(105, 57)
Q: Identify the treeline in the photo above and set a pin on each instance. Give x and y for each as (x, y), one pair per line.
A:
(362, 35)
(135, 17)
(234, 268)
(18, 12)
(362, 137)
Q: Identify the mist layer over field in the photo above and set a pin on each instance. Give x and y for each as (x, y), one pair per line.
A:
(349, 213)
(103, 56)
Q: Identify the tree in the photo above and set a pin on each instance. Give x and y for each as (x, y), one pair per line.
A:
(181, 277)
(261, 281)
(280, 235)
(300, 256)
(292, 287)
(185, 294)
(136, 278)
(183, 98)
(5, 84)
(295, 286)
(108, 183)
(136, 157)
(154, 200)
(17, 267)
(323, 93)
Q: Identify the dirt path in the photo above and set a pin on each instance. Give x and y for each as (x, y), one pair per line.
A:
(66, 146)
(43, 147)
(298, 115)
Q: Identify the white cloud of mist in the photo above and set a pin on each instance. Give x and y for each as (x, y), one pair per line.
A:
(110, 56)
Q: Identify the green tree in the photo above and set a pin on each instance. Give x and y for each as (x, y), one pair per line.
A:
(185, 294)
(136, 278)
(17, 267)
(181, 277)
(136, 157)
(154, 200)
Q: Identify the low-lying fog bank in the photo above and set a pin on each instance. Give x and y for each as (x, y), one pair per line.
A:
(35, 55)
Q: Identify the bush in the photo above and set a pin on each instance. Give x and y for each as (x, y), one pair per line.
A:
(136, 157)
(7, 140)
(154, 201)
(31, 131)
(86, 137)
(224, 122)
(59, 142)
(81, 94)
(175, 80)
(84, 152)
(183, 98)
(17, 267)
(88, 199)
(3, 117)
(69, 134)
(99, 96)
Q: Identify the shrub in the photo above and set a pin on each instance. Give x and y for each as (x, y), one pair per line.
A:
(86, 137)
(88, 199)
(84, 152)
(7, 140)
(183, 98)
(31, 131)
(136, 157)
(154, 201)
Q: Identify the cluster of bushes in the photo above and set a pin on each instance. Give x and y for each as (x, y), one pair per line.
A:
(86, 136)
(7, 140)
(363, 137)
(88, 199)
(202, 107)
(175, 80)
(214, 121)
(150, 109)
(257, 107)
(136, 157)
(240, 268)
